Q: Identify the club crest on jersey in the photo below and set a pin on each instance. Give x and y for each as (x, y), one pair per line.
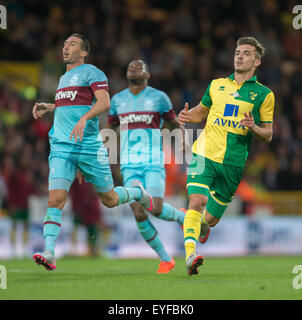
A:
(74, 80)
(252, 95)
(148, 103)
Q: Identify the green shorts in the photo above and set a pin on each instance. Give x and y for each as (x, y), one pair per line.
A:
(217, 181)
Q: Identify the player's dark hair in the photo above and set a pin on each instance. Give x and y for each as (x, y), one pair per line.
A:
(144, 64)
(85, 46)
(253, 42)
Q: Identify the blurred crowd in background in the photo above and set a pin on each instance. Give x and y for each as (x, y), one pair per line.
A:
(185, 43)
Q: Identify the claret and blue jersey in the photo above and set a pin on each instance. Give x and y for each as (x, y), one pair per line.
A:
(74, 97)
(140, 118)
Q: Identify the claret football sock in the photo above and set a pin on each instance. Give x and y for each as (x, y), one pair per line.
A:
(149, 233)
(191, 230)
(170, 213)
(51, 228)
(128, 194)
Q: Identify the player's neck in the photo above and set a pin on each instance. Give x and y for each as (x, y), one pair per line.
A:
(71, 66)
(136, 89)
(241, 77)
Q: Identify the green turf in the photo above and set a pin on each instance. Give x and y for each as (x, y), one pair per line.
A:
(105, 279)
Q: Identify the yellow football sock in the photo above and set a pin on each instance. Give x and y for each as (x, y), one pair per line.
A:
(191, 229)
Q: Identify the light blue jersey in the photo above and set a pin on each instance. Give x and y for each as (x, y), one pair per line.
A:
(140, 118)
(74, 97)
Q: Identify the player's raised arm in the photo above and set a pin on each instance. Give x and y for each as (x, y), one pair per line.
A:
(41, 108)
(195, 115)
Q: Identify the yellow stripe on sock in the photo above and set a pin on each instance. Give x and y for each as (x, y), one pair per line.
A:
(191, 229)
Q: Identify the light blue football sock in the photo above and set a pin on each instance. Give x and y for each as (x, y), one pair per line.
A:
(170, 213)
(128, 194)
(51, 228)
(149, 233)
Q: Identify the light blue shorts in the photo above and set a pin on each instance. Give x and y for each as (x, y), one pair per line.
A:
(153, 178)
(63, 167)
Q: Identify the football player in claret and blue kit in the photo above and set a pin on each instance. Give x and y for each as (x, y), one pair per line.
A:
(82, 95)
(140, 111)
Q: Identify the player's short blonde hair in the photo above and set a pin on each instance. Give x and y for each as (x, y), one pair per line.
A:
(260, 50)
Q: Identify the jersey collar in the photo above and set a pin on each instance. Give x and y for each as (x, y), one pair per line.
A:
(253, 79)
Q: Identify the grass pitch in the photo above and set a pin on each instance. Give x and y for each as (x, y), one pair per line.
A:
(242, 278)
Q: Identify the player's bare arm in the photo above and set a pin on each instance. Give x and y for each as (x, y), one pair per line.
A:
(101, 105)
(195, 115)
(41, 108)
(264, 132)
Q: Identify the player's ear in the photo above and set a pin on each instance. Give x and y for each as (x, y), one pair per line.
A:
(147, 75)
(257, 63)
(84, 54)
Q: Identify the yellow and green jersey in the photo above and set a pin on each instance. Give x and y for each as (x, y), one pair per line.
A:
(224, 139)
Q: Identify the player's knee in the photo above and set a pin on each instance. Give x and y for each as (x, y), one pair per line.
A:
(57, 200)
(198, 202)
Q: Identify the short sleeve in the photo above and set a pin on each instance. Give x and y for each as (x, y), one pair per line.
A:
(97, 80)
(113, 118)
(267, 108)
(206, 99)
(166, 108)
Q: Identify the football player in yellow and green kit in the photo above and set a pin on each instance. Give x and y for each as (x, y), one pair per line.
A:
(236, 108)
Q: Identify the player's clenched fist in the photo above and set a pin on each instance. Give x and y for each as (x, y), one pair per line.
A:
(184, 116)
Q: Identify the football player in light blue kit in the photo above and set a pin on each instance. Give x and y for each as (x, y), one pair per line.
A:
(140, 111)
(82, 95)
